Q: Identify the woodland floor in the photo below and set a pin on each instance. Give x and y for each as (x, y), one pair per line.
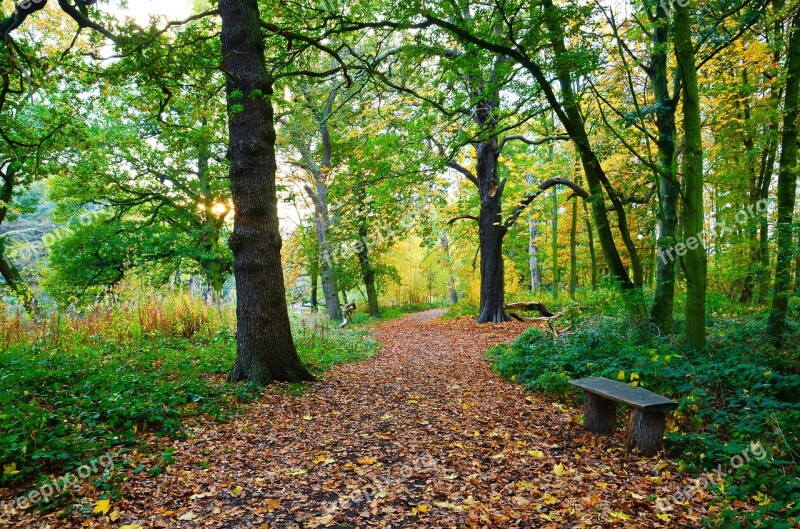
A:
(421, 435)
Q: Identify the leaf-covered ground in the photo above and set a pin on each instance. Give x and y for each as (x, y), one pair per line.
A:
(421, 435)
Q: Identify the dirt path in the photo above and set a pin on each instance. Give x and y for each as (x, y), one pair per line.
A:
(422, 435)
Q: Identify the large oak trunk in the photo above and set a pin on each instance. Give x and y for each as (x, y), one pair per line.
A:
(491, 233)
(265, 349)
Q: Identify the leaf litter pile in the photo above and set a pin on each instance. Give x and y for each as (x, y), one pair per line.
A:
(421, 435)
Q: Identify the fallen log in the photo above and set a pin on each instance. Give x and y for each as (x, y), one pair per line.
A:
(532, 306)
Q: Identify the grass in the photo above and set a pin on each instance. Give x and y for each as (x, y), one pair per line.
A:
(77, 386)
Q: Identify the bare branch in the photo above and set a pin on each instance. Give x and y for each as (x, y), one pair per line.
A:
(464, 217)
(544, 186)
(523, 139)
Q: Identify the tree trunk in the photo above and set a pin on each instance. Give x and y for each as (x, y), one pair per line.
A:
(554, 248)
(451, 282)
(8, 270)
(314, 272)
(668, 186)
(592, 253)
(797, 265)
(214, 268)
(265, 348)
(533, 249)
(572, 119)
(367, 271)
(329, 287)
(787, 189)
(491, 233)
(573, 250)
(692, 210)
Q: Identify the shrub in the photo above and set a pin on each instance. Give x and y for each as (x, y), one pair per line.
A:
(731, 395)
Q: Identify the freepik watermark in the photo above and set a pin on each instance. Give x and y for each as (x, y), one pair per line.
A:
(60, 233)
(669, 5)
(354, 247)
(104, 463)
(742, 217)
(715, 476)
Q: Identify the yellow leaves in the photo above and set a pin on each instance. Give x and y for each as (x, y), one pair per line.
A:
(538, 454)
(237, 490)
(131, 526)
(367, 460)
(621, 376)
(762, 499)
(558, 469)
(524, 485)
(549, 499)
(296, 472)
(102, 507)
(323, 460)
(10, 470)
(308, 418)
(664, 517)
(187, 517)
(421, 509)
(618, 515)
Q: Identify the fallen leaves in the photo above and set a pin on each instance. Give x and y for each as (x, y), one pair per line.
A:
(421, 435)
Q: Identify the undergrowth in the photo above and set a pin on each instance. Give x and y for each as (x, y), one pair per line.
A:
(77, 386)
(735, 393)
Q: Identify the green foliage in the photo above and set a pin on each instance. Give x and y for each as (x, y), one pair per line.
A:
(82, 386)
(322, 346)
(730, 396)
(61, 407)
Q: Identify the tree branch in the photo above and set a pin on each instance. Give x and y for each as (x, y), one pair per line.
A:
(544, 186)
(464, 217)
(523, 139)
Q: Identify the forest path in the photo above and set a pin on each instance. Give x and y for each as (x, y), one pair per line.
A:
(421, 435)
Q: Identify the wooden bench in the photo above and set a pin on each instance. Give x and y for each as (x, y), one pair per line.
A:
(646, 427)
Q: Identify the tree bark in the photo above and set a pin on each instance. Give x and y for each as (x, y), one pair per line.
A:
(533, 248)
(8, 270)
(314, 272)
(592, 253)
(646, 432)
(265, 348)
(451, 282)
(554, 241)
(491, 233)
(692, 211)
(599, 414)
(668, 186)
(787, 189)
(573, 251)
(367, 271)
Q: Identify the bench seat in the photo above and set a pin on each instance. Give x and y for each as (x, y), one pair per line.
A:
(647, 422)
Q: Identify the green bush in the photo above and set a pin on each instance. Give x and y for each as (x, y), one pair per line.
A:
(730, 396)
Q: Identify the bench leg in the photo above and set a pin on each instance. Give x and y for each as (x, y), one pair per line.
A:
(598, 414)
(646, 432)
